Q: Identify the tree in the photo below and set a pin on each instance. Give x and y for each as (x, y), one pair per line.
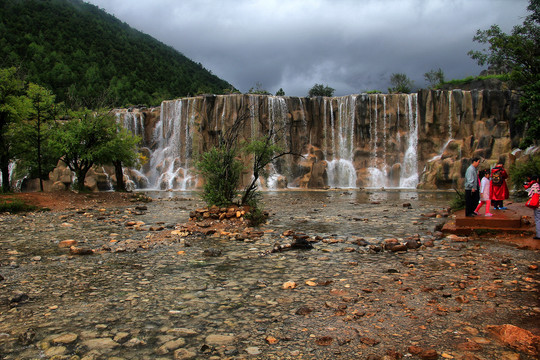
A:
(321, 90)
(124, 150)
(11, 108)
(280, 92)
(33, 131)
(518, 52)
(90, 138)
(400, 83)
(434, 78)
(221, 169)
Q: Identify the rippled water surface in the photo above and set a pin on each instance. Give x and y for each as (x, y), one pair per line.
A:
(141, 301)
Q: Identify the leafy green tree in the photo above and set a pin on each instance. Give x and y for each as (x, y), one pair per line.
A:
(434, 78)
(517, 52)
(280, 92)
(220, 169)
(124, 149)
(321, 90)
(11, 108)
(90, 138)
(400, 83)
(33, 131)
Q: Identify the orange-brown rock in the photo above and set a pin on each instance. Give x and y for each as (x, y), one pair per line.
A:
(517, 338)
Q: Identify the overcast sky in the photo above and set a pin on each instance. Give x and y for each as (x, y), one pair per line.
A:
(349, 45)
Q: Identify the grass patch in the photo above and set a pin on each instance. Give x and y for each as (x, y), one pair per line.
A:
(15, 206)
(458, 202)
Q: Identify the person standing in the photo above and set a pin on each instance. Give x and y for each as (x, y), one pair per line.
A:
(535, 189)
(484, 193)
(471, 187)
(499, 189)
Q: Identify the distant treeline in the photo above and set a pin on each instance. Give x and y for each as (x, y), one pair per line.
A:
(80, 52)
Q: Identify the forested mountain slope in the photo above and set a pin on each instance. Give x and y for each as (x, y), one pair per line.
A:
(79, 51)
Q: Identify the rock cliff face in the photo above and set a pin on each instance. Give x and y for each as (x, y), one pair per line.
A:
(420, 140)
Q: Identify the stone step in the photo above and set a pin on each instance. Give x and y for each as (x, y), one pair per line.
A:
(501, 219)
(516, 219)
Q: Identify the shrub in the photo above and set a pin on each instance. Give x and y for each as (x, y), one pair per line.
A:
(15, 206)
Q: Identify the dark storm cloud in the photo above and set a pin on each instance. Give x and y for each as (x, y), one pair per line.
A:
(351, 46)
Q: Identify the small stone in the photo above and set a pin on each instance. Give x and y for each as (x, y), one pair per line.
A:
(67, 243)
(219, 339)
(289, 285)
(80, 251)
(55, 351)
(252, 350)
(66, 338)
(121, 337)
(100, 344)
(170, 346)
(184, 354)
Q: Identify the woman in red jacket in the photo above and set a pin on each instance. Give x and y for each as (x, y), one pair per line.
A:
(498, 190)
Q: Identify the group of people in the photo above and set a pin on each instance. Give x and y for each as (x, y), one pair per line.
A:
(492, 190)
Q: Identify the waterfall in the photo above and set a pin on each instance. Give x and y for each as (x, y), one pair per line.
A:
(340, 170)
(278, 110)
(409, 166)
(254, 114)
(132, 121)
(169, 163)
(450, 114)
(377, 176)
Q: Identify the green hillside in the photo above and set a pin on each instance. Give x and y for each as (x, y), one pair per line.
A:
(80, 52)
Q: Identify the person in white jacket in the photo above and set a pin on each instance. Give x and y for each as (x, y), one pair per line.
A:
(484, 193)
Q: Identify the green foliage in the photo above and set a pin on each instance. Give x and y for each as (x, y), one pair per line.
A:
(11, 108)
(529, 115)
(458, 202)
(321, 90)
(373, 92)
(517, 53)
(520, 171)
(256, 216)
(434, 78)
(15, 206)
(61, 43)
(280, 92)
(258, 90)
(221, 171)
(400, 83)
(263, 152)
(31, 134)
(469, 79)
(92, 138)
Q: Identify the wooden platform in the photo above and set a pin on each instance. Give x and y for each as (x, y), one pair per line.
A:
(517, 218)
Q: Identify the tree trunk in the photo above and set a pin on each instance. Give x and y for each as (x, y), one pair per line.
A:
(4, 167)
(120, 184)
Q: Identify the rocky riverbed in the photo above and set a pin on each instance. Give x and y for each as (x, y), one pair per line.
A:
(124, 279)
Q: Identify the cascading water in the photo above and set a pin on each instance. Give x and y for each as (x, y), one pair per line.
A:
(278, 110)
(361, 126)
(377, 173)
(409, 166)
(169, 163)
(340, 170)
